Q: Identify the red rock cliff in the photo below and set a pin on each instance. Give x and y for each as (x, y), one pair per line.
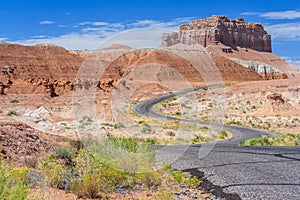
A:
(215, 29)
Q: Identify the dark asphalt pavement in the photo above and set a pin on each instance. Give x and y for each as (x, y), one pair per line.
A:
(229, 171)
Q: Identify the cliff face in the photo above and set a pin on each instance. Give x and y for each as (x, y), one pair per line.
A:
(37, 69)
(215, 29)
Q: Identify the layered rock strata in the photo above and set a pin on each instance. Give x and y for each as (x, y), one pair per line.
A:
(219, 29)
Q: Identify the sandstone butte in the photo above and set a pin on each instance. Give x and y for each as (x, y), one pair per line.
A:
(52, 70)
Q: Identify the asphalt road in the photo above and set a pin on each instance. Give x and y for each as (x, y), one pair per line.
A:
(229, 171)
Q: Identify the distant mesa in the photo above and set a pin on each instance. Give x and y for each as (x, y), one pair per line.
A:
(219, 29)
(117, 46)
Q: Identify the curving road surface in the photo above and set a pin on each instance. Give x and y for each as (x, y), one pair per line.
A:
(229, 171)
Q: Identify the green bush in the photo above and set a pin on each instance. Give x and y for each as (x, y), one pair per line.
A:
(14, 101)
(12, 112)
(63, 153)
(162, 195)
(13, 183)
(106, 124)
(113, 162)
(288, 140)
(146, 129)
(235, 122)
(183, 177)
(171, 133)
(222, 134)
(119, 125)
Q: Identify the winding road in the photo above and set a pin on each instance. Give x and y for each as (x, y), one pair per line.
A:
(229, 171)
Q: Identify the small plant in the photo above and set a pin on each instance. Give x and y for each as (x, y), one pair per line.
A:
(119, 125)
(12, 182)
(106, 124)
(228, 84)
(14, 101)
(170, 133)
(63, 153)
(235, 122)
(162, 195)
(146, 129)
(186, 178)
(63, 124)
(288, 140)
(12, 113)
(222, 134)
(178, 113)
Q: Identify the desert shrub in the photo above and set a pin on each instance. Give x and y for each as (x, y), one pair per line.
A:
(106, 124)
(31, 161)
(235, 122)
(12, 182)
(102, 166)
(170, 133)
(57, 174)
(146, 129)
(204, 129)
(162, 195)
(123, 153)
(141, 122)
(119, 125)
(222, 134)
(111, 162)
(12, 112)
(63, 153)
(210, 104)
(186, 178)
(227, 84)
(87, 119)
(63, 124)
(150, 179)
(178, 113)
(200, 139)
(288, 140)
(14, 101)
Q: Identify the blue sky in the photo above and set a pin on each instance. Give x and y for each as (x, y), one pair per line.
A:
(84, 24)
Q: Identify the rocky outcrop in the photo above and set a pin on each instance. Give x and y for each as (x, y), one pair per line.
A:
(266, 71)
(277, 102)
(18, 140)
(37, 69)
(219, 29)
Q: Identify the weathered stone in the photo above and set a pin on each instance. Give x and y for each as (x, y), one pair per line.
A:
(215, 29)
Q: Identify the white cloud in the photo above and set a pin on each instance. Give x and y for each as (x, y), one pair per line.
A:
(46, 22)
(93, 23)
(139, 34)
(39, 36)
(69, 41)
(292, 60)
(159, 24)
(285, 30)
(250, 13)
(288, 14)
(136, 38)
(3, 39)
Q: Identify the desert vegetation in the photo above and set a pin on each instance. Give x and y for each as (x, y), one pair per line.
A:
(93, 168)
(283, 140)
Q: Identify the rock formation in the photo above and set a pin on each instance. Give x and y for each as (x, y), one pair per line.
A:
(37, 69)
(278, 103)
(219, 29)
